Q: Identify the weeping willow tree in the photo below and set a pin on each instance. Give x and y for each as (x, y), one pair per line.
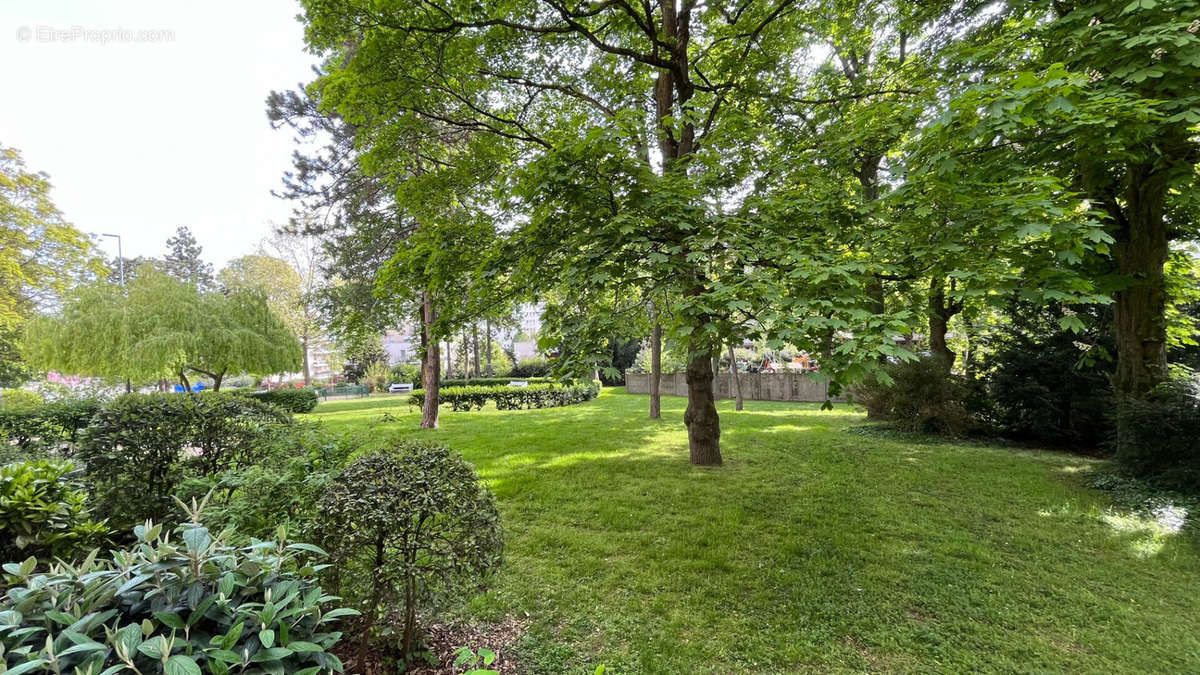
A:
(159, 326)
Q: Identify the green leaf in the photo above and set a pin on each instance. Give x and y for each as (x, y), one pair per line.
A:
(272, 654)
(181, 664)
(170, 620)
(27, 667)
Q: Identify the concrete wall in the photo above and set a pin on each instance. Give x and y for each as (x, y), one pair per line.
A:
(755, 386)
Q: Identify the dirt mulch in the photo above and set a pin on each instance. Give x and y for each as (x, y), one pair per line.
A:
(443, 640)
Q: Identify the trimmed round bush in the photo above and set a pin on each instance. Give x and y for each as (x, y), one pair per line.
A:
(408, 528)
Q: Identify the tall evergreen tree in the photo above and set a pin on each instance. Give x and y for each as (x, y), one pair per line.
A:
(183, 260)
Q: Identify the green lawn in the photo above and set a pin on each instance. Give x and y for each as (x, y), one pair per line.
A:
(813, 549)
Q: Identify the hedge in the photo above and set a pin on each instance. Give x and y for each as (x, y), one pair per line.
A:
(53, 426)
(291, 400)
(494, 381)
(513, 398)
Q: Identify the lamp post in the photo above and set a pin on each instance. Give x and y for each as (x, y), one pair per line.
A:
(121, 267)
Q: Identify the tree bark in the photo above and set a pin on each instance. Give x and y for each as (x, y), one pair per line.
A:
(431, 367)
(737, 379)
(475, 346)
(304, 343)
(1140, 251)
(655, 371)
(703, 424)
(465, 350)
(183, 379)
(940, 313)
(487, 331)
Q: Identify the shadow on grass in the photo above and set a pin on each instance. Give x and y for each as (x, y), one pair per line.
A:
(811, 549)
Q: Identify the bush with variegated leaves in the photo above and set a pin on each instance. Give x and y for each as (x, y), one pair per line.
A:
(177, 603)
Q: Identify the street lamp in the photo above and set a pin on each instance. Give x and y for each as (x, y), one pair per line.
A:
(120, 257)
(121, 266)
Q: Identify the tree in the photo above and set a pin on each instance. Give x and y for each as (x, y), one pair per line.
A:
(157, 325)
(306, 256)
(41, 257)
(183, 260)
(363, 351)
(290, 294)
(278, 281)
(1102, 95)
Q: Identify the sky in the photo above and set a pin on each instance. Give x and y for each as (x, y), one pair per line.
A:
(151, 115)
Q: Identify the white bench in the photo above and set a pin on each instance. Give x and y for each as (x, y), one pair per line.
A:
(400, 388)
(518, 383)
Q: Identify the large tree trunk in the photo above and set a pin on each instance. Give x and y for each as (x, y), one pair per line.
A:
(655, 371)
(940, 313)
(431, 367)
(217, 378)
(737, 379)
(703, 424)
(674, 114)
(1140, 251)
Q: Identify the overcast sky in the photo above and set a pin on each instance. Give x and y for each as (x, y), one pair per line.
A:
(150, 115)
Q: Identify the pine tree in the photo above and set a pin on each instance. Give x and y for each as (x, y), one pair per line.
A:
(184, 261)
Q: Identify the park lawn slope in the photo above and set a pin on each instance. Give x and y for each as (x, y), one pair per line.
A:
(814, 549)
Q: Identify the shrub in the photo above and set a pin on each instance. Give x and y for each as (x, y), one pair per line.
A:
(408, 528)
(283, 487)
(531, 368)
(179, 605)
(43, 513)
(922, 397)
(50, 428)
(406, 372)
(139, 447)
(19, 399)
(512, 398)
(493, 381)
(1041, 386)
(292, 400)
(1158, 438)
(376, 376)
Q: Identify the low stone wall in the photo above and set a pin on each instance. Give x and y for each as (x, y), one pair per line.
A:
(755, 386)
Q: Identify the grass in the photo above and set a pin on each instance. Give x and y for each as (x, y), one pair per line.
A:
(811, 550)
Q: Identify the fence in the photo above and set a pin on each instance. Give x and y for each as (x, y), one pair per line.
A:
(344, 391)
(755, 386)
